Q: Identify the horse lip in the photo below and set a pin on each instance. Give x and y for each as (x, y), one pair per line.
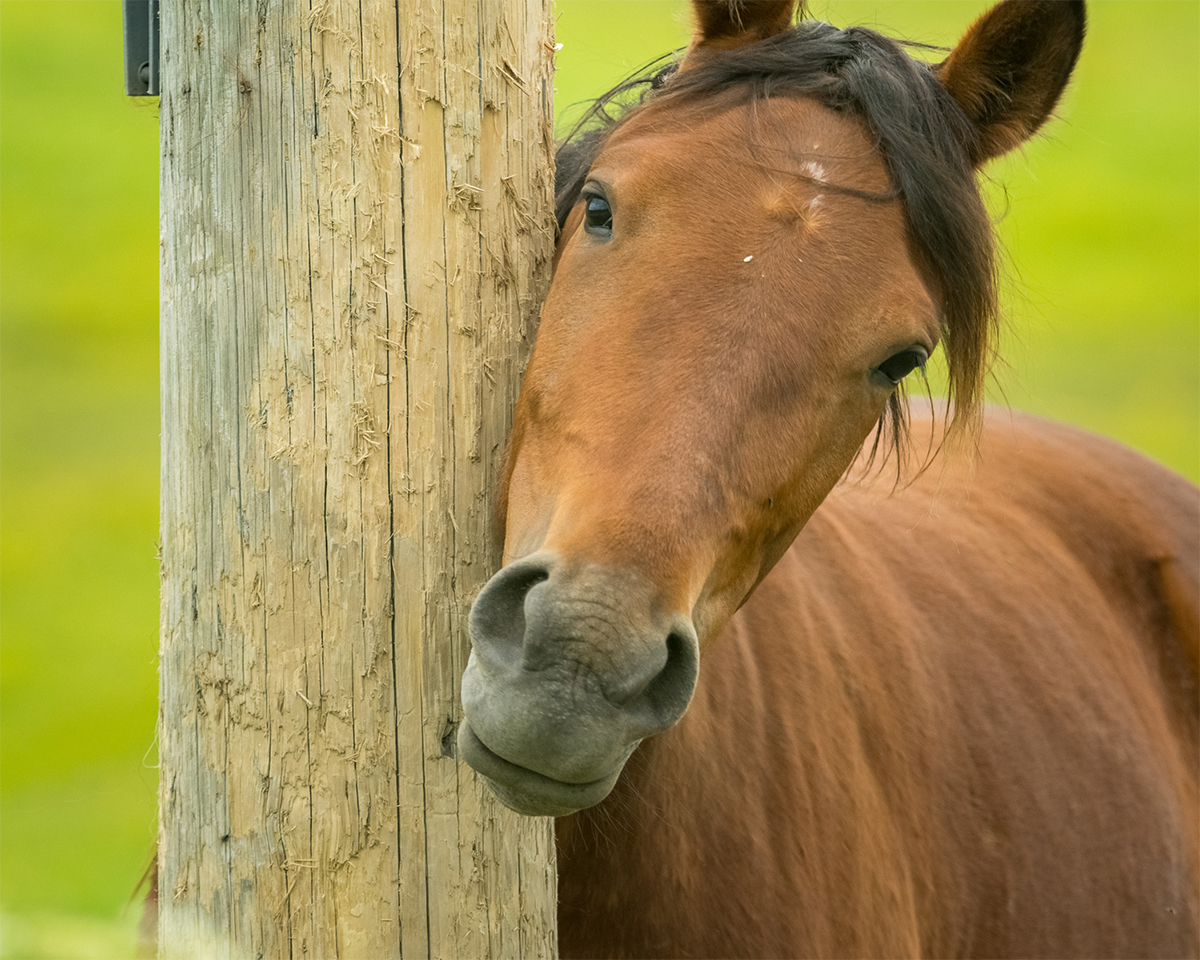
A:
(527, 792)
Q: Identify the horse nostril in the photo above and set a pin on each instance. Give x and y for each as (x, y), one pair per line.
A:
(497, 619)
(669, 693)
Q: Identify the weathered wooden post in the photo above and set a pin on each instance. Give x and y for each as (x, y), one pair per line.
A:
(356, 237)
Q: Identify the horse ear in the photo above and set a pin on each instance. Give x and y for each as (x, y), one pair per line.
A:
(1010, 68)
(728, 24)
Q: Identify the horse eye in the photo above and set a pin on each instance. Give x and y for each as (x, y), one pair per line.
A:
(597, 217)
(898, 367)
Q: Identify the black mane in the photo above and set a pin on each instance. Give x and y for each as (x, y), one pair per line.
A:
(920, 130)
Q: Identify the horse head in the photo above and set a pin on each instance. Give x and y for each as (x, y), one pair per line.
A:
(751, 261)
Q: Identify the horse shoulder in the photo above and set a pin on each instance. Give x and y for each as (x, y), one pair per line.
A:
(1134, 526)
(1048, 586)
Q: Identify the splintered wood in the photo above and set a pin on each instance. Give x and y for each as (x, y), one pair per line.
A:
(356, 239)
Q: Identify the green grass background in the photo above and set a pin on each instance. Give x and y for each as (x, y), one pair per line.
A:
(1100, 217)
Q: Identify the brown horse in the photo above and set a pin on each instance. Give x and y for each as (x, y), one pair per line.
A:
(957, 716)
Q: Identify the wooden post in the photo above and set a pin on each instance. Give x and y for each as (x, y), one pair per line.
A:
(356, 239)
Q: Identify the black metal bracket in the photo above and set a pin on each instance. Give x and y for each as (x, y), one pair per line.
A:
(141, 47)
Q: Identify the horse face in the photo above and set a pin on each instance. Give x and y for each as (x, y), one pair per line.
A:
(708, 363)
(711, 359)
(734, 301)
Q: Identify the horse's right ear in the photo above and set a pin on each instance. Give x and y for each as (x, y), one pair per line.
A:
(728, 24)
(1010, 68)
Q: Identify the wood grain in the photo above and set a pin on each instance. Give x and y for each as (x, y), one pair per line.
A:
(356, 239)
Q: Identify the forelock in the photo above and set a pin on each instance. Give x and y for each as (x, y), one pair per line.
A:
(920, 131)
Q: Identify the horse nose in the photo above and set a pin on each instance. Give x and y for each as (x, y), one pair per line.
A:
(497, 619)
(572, 665)
(536, 615)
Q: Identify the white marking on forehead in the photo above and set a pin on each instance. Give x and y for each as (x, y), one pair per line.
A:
(748, 259)
(814, 170)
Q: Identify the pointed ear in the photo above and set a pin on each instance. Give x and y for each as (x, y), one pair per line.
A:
(1010, 68)
(728, 24)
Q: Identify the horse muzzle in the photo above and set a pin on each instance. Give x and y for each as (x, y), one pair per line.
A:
(572, 666)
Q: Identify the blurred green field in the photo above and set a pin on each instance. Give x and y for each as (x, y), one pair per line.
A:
(1101, 219)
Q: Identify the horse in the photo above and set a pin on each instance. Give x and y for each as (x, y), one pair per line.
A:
(781, 701)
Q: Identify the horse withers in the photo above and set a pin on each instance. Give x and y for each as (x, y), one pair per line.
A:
(782, 715)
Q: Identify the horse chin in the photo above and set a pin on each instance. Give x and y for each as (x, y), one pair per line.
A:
(530, 793)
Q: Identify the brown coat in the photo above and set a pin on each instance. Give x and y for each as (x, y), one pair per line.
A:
(957, 720)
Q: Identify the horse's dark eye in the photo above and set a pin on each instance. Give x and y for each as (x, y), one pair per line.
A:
(898, 367)
(597, 217)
